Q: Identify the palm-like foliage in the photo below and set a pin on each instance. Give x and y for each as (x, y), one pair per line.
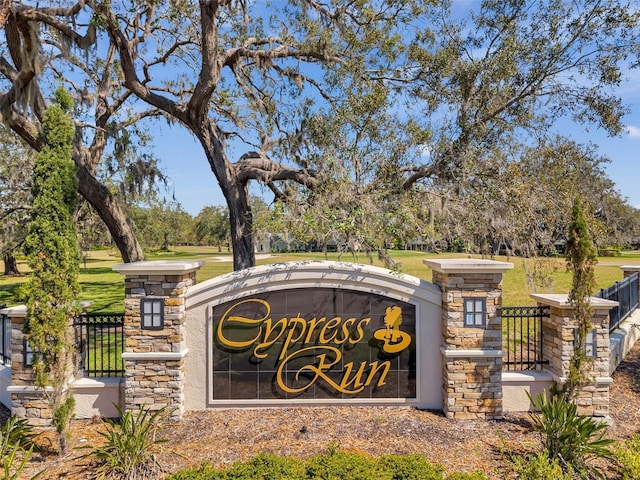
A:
(16, 447)
(129, 448)
(570, 438)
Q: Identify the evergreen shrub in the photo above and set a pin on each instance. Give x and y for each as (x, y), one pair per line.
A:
(628, 456)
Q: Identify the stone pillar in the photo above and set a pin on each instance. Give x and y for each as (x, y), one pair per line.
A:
(154, 359)
(28, 401)
(471, 337)
(559, 344)
(629, 270)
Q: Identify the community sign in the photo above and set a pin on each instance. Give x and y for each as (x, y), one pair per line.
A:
(315, 344)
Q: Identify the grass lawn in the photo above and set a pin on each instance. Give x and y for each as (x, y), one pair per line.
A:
(105, 287)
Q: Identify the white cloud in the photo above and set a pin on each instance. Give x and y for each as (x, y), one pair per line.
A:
(633, 131)
(425, 150)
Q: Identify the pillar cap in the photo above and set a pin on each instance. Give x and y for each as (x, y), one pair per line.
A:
(19, 311)
(158, 267)
(561, 300)
(467, 265)
(630, 268)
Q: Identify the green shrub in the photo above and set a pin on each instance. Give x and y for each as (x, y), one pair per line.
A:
(628, 455)
(336, 464)
(205, 471)
(568, 438)
(331, 465)
(17, 432)
(265, 467)
(408, 467)
(128, 451)
(540, 467)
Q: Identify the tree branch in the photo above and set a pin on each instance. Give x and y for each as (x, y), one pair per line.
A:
(257, 166)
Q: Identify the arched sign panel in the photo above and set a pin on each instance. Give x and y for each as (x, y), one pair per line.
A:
(312, 344)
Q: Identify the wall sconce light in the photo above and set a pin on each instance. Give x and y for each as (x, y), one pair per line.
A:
(152, 313)
(475, 312)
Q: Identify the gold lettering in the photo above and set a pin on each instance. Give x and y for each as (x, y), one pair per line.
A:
(345, 331)
(364, 321)
(347, 385)
(312, 324)
(323, 365)
(331, 324)
(266, 342)
(324, 358)
(227, 317)
(386, 365)
(293, 325)
(358, 386)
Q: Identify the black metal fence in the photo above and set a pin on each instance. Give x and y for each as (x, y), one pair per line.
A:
(100, 343)
(5, 338)
(625, 292)
(523, 337)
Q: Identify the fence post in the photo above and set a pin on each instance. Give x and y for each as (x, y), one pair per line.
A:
(471, 335)
(155, 351)
(559, 345)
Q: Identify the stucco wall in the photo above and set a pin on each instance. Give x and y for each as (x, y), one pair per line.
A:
(516, 385)
(623, 339)
(97, 396)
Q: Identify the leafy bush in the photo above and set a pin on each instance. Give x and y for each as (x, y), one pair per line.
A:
(204, 471)
(129, 448)
(540, 467)
(409, 467)
(336, 464)
(265, 467)
(628, 455)
(568, 438)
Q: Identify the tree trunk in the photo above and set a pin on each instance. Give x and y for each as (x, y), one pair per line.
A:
(241, 218)
(111, 214)
(10, 264)
(234, 191)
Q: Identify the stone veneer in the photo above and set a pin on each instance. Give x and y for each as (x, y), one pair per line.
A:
(558, 331)
(472, 356)
(28, 401)
(154, 360)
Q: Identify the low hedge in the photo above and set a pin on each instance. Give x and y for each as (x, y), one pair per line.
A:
(332, 465)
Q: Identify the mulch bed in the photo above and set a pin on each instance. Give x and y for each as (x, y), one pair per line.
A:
(224, 436)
